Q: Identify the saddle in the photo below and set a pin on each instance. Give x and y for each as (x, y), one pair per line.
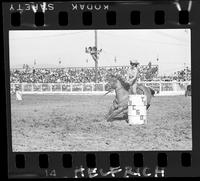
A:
(139, 89)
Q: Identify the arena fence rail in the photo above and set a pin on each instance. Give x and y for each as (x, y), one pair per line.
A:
(161, 88)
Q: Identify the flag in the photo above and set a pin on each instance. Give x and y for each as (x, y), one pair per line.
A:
(27, 67)
(157, 59)
(60, 62)
(34, 62)
(149, 64)
(115, 60)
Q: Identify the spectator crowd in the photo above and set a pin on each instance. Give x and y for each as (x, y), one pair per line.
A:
(85, 75)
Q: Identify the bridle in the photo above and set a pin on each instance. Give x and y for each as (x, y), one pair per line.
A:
(116, 89)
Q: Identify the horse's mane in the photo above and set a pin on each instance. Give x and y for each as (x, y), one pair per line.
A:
(124, 84)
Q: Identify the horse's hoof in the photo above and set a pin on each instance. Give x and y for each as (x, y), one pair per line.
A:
(105, 118)
(109, 120)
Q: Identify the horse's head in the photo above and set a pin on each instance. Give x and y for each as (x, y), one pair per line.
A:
(112, 83)
(116, 81)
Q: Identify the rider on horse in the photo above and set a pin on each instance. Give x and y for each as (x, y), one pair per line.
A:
(132, 76)
(131, 80)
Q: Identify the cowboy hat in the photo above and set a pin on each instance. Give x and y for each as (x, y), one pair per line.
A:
(135, 62)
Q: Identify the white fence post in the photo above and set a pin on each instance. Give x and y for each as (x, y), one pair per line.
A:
(104, 86)
(160, 88)
(70, 87)
(82, 85)
(61, 87)
(22, 87)
(50, 87)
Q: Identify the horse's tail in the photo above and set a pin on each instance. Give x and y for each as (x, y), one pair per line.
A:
(152, 91)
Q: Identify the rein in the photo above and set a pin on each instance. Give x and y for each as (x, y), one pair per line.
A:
(111, 90)
(107, 92)
(119, 88)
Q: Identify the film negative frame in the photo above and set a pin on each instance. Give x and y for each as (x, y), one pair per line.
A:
(114, 15)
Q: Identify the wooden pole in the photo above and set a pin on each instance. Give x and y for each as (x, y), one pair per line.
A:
(96, 55)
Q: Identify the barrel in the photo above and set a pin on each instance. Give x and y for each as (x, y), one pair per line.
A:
(137, 113)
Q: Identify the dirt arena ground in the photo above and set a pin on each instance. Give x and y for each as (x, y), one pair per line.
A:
(76, 123)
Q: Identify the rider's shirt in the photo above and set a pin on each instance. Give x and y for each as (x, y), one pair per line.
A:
(132, 75)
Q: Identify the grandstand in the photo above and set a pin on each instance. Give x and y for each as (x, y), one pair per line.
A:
(81, 80)
(71, 74)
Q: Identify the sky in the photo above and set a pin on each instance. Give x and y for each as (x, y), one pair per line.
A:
(47, 47)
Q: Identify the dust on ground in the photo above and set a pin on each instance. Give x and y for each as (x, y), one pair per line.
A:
(77, 123)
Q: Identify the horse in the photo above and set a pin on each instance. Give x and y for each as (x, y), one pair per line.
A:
(122, 92)
(188, 91)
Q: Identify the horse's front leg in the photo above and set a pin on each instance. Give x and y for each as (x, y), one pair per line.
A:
(115, 113)
(125, 113)
(113, 107)
(110, 111)
(186, 93)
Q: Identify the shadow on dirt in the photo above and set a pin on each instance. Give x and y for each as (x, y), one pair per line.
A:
(120, 118)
